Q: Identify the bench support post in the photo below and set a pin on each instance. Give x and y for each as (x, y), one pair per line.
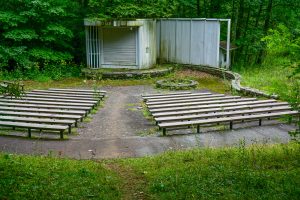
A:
(76, 124)
(29, 132)
(61, 134)
(70, 129)
(198, 128)
(259, 123)
(230, 125)
(164, 131)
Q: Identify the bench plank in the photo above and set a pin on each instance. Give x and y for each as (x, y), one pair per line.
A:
(211, 106)
(44, 115)
(69, 95)
(42, 110)
(62, 97)
(231, 108)
(191, 100)
(179, 95)
(222, 114)
(45, 102)
(185, 98)
(46, 106)
(169, 107)
(68, 92)
(55, 99)
(164, 94)
(77, 90)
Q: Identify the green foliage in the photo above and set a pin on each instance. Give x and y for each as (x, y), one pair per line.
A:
(36, 32)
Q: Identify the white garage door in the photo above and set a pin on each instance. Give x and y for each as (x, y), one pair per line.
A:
(119, 46)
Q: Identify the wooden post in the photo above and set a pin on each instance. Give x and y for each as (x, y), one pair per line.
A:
(164, 131)
(29, 132)
(260, 122)
(198, 128)
(61, 135)
(231, 125)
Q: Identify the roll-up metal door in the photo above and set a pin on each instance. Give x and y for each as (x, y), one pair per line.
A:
(119, 46)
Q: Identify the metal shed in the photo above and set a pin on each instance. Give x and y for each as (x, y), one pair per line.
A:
(137, 44)
(120, 44)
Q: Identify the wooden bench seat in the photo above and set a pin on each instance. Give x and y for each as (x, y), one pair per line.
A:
(191, 100)
(221, 114)
(42, 110)
(177, 95)
(39, 120)
(166, 94)
(30, 126)
(197, 123)
(184, 98)
(55, 100)
(181, 106)
(211, 106)
(68, 95)
(69, 92)
(66, 107)
(42, 115)
(220, 109)
(45, 102)
(76, 90)
(62, 97)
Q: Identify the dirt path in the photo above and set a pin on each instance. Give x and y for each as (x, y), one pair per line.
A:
(120, 116)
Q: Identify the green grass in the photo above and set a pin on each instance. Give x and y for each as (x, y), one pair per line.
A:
(271, 79)
(255, 172)
(29, 177)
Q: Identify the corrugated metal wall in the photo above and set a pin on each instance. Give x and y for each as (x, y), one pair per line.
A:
(189, 41)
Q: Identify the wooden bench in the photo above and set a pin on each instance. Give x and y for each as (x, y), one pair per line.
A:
(194, 105)
(45, 102)
(68, 95)
(66, 107)
(39, 120)
(30, 126)
(220, 109)
(62, 97)
(177, 95)
(191, 100)
(221, 114)
(42, 110)
(197, 123)
(43, 115)
(166, 94)
(185, 98)
(56, 99)
(69, 92)
(77, 90)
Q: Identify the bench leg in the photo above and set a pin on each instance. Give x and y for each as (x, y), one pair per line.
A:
(29, 132)
(61, 134)
(164, 131)
(231, 125)
(198, 128)
(259, 123)
(70, 129)
(81, 119)
(76, 124)
(14, 128)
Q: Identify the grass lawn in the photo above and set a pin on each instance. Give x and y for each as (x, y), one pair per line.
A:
(255, 172)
